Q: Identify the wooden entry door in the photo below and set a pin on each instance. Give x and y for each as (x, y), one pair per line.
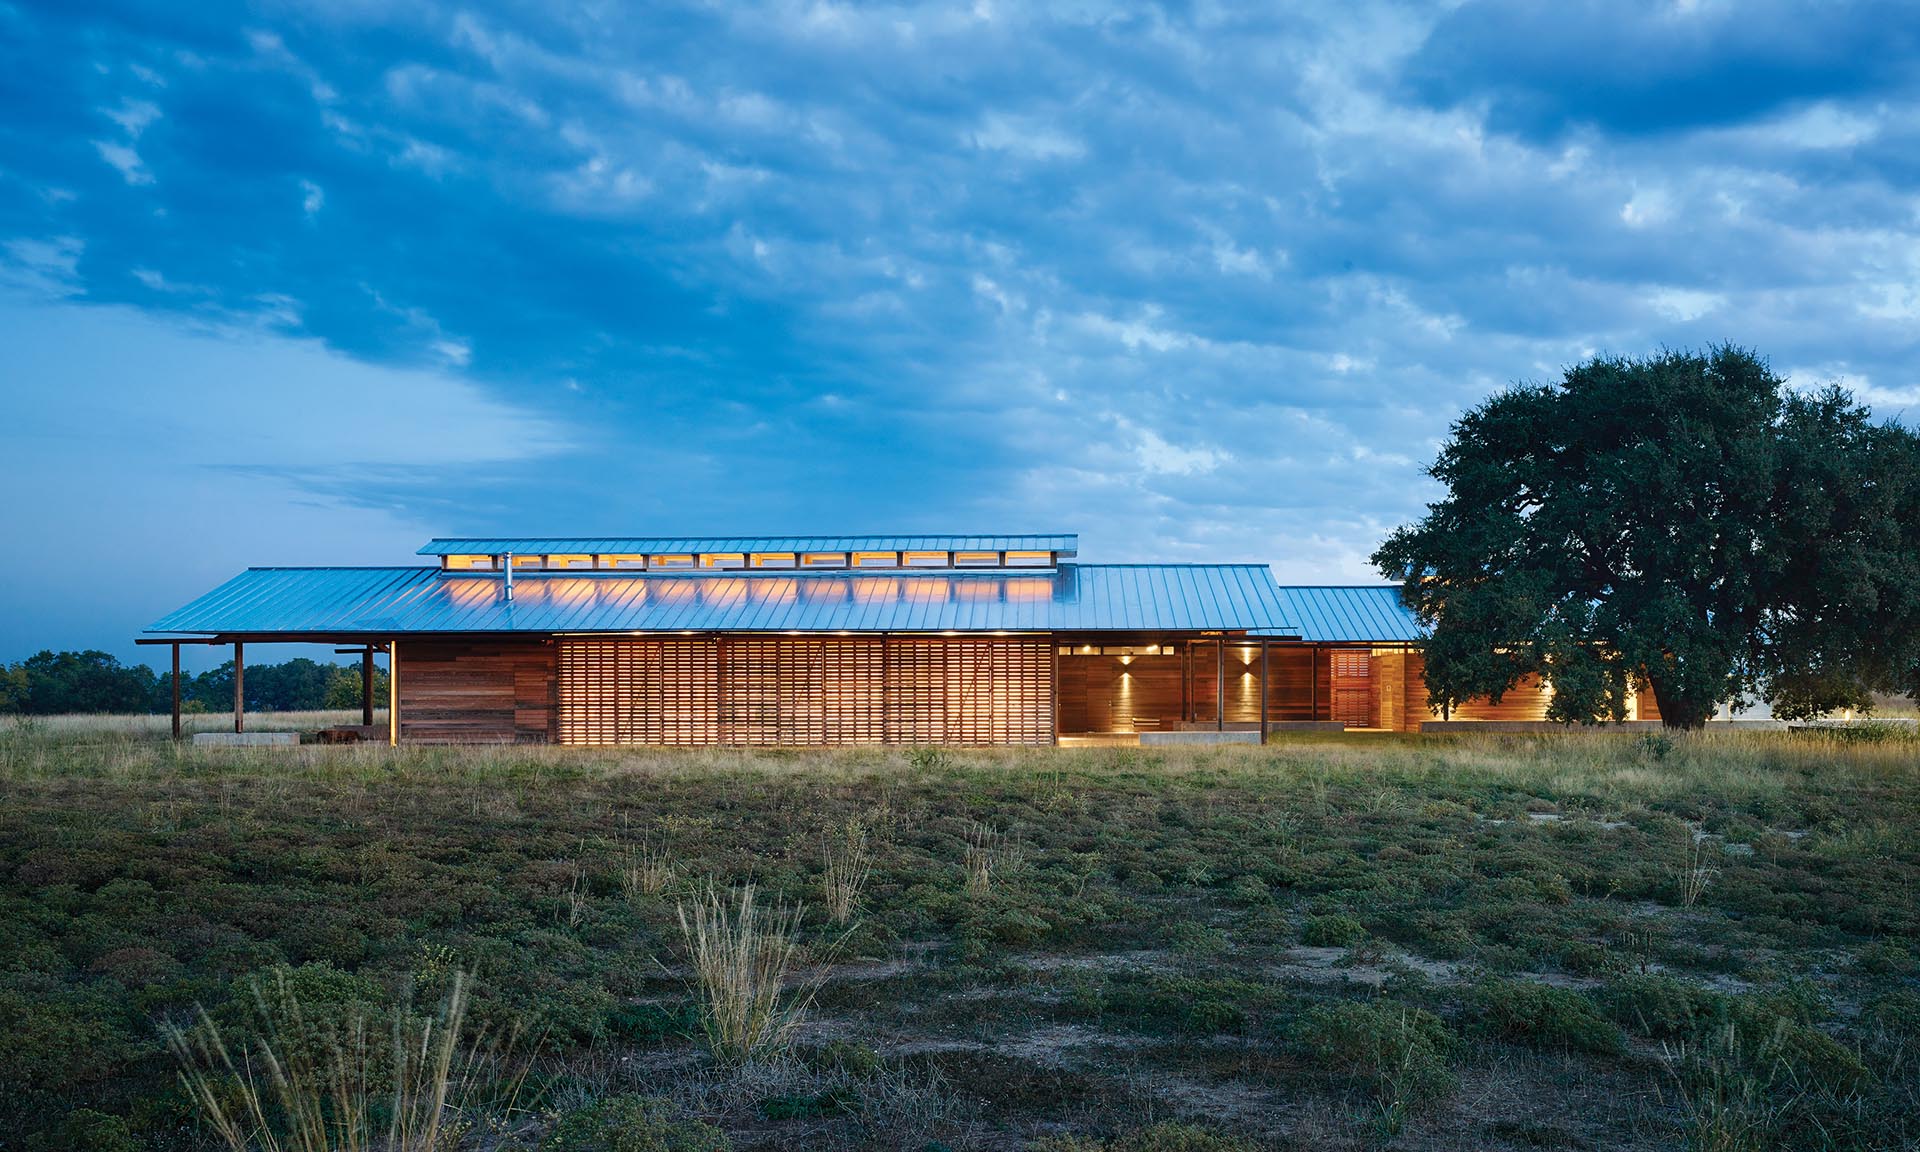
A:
(1352, 685)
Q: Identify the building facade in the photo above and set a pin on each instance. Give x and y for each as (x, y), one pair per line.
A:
(789, 640)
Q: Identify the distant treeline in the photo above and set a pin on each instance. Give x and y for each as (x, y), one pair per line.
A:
(55, 683)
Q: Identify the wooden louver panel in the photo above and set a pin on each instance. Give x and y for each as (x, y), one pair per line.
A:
(1352, 686)
(806, 691)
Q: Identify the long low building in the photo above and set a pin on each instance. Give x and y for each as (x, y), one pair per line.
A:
(790, 640)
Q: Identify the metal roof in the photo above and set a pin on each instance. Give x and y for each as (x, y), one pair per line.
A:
(1072, 597)
(1349, 614)
(1066, 545)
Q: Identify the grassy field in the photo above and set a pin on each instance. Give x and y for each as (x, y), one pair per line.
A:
(1575, 942)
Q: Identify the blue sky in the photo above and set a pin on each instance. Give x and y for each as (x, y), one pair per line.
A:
(292, 283)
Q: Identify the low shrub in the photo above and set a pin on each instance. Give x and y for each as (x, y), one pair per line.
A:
(632, 1124)
(1660, 1007)
(1542, 1016)
(1332, 931)
(1167, 1137)
(1398, 1052)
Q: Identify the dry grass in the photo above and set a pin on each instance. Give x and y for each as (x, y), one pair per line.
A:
(988, 854)
(308, 1087)
(849, 861)
(741, 954)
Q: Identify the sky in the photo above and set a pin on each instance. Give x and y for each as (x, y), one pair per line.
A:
(288, 284)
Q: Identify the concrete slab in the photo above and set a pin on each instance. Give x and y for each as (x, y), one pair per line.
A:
(246, 739)
(1152, 739)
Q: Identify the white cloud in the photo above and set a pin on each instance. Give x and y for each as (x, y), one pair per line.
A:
(313, 198)
(1157, 457)
(1024, 137)
(126, 160)
(1684, 304)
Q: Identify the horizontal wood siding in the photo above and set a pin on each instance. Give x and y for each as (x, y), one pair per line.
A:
(476, 693)
(790, 691)
(1526, 700)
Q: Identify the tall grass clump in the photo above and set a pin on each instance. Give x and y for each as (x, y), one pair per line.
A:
(742, 954)
(1695, 872)
(849, 861)
(310, 1084)
(988, 853)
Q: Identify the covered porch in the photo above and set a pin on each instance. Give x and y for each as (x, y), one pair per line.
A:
(1113, 689)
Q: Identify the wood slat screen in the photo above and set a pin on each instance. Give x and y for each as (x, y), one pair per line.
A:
(806, 691)
(639, 692)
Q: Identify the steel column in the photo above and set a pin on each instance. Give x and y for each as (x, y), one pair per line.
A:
(366, 687)
(393, 693)
(1263, 691)
(1220, 685)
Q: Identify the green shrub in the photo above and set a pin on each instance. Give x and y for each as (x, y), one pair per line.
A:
(1398, 1052)
(86, 1130)
(1332, 931)
(1660, 1007)
(632, 1124)
(1542, 1016)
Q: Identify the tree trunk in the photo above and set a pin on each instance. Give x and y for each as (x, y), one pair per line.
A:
(1678, 713)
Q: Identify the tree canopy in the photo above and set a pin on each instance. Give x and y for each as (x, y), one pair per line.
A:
(1683, 524)
(55, 683)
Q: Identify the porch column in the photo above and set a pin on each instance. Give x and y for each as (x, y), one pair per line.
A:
(1220, 685)
(176, 691)
(1313, 699)
(366, 687)
(393, 693)
(239, 686)
(1186, 680)
(1263, 691)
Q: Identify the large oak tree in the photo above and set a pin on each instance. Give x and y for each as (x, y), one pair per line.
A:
(1683, 524)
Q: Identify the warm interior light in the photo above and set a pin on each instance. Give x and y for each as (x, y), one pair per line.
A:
(876, 559)
(977, 559)
(1029, 559)
(824, 560)
(773, 559)
(571, 560)
(722, 560)
(623, 561)
(529, 562)
(468, 563)
(671, 560)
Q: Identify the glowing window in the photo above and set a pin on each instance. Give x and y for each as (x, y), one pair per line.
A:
(773, 559)
(468, 563)
(977, 559)
(876, 559)
(671, 560)
(623, 561)
(520, 562)
(926, 559)
(571, 560)
(722, 560)
(823, 560)
(1029, 559)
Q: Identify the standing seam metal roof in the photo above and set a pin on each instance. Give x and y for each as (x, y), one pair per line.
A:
(1330, 614)
(1071, 598)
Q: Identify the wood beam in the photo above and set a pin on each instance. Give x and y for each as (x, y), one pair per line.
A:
(239, 686)
(176, 691)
